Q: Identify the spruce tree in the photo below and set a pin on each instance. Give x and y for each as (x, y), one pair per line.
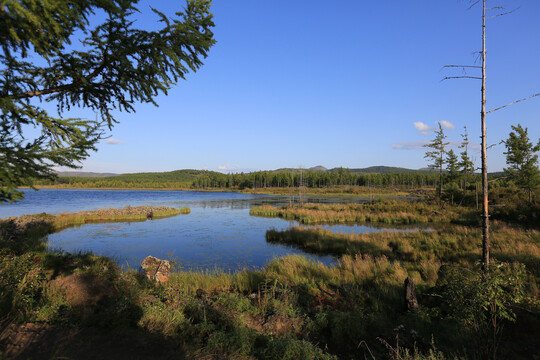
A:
(58, 51)
(466, 166)
(436, 155)
(452, 166)
(521, 159)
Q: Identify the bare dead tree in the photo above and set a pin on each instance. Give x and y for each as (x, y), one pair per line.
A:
(485, 203)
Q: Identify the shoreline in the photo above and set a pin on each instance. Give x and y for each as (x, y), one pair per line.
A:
(266, 191)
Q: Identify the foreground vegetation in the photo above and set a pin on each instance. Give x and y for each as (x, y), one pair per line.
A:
(292, 308)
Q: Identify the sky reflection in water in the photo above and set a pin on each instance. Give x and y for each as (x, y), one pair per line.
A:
(218, 234)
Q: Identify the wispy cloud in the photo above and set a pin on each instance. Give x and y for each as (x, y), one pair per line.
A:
(413, 145)
(227, 167)
(423, 128)
(112, 141)
(447, 125)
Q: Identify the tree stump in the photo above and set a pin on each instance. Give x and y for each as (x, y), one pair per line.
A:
(411, 303)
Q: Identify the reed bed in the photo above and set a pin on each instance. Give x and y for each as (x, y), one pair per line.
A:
(386, 212)
(41, 224)
(128, 213)
(420, 251)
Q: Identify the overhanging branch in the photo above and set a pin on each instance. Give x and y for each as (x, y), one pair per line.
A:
(60, 88)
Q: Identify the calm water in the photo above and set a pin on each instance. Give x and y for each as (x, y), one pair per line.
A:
(219, 232)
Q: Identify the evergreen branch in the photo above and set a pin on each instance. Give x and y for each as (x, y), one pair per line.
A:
(60, 88)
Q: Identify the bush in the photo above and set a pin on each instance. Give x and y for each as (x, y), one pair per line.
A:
(481, 300)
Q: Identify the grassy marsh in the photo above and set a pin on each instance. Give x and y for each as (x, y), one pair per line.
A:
(385, 211)
(27, 230)
(293, 308)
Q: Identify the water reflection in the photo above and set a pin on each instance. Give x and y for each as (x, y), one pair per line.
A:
(218, 234)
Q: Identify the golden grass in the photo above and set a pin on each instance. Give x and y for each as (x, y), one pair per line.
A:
(387, 212)
(421, 252)
(42, 224)
(139, 213)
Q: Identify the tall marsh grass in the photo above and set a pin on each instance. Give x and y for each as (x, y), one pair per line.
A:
(24, 232)
(386, 212)
(421, 251)
(128, 213)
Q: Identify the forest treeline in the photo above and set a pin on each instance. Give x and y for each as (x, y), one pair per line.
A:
(204, 179)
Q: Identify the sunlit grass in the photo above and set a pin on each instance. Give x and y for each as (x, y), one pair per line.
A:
(387, 212)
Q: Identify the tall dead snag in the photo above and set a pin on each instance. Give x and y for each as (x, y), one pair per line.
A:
(483, 113)
(485, 204)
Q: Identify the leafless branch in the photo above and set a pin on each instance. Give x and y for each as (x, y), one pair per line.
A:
(473, 4)
(461, 77)
(478, 54)
(502, 14)
(512, 103)
(462, 66)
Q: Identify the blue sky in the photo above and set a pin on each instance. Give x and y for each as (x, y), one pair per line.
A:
(334, 83)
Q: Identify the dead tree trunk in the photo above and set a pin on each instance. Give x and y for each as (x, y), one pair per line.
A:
(485, 209)
(411, 303)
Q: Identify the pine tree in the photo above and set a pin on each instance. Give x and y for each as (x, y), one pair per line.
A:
(466, 166)
(437, 154)
(114, 66)
(452, 166)
(522, 160)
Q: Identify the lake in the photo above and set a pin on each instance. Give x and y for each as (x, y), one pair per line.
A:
(218, 234)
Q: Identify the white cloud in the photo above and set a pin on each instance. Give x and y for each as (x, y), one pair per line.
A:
(447, 124)
(113, 141)
(423, 128)
(227, 167)
(414, 145)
